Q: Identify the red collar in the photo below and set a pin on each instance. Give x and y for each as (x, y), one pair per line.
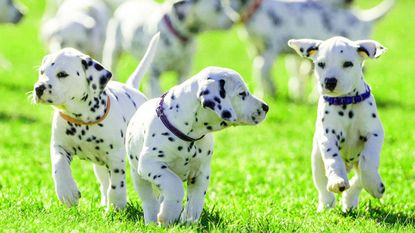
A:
(78, 122)
(181, 37)
(247, 15)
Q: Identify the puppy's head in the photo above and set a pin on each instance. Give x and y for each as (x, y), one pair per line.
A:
(69, 76)
(10, 12)
(201, 15)
(224, 92)
(75, 33)
(338, 61)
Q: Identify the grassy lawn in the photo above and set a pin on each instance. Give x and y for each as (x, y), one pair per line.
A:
(261, 176)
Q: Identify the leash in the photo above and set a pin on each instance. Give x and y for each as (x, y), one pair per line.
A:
(78, 122)
(169, 126)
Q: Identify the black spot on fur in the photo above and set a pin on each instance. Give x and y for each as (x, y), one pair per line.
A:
(226, 114)
(222, 91)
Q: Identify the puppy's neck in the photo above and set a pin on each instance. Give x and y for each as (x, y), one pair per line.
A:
(183, 27)
(359, 89)
(184, 111)
(87, 109)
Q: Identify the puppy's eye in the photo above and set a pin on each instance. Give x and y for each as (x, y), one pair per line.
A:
(347, 64)
(62, 74)
(243, 94)
(42, 72)
(321, 65)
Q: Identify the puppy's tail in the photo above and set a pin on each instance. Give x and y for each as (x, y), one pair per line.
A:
(377, 12)
(135, 78)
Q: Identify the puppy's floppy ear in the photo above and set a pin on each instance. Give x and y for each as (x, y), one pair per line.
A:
(212, 95)
(305, 47)
(370, 48)
(96, 75)
(181, 8)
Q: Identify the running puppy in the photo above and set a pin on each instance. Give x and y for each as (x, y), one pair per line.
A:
(348, 133)
(169, 140)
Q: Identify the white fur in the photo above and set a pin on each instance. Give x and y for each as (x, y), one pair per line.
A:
(158, 158)
(349, 136)
(134, 23)
(10, 12)
(76, 85)
(80, 24)
(276, 21)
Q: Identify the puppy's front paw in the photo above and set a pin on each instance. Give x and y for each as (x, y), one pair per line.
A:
(169, 213)
(337, 184)
(190, 215)
(67, 192)
(376, 189)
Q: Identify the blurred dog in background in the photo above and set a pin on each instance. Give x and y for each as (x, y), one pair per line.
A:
(10, 12)
(270, 23)
(79, 24)
(179, 22)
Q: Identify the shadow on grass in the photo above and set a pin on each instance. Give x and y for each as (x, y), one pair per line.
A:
(211, 219)
(380, 215)
(133, 213)
(8, 117)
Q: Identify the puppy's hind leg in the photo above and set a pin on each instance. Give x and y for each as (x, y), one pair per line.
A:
(104, 179)
(262, 72)
(117, 193)
(326, 199)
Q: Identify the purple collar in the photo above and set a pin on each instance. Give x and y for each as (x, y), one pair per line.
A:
(171, 28)
(168, 125)
(346, 100)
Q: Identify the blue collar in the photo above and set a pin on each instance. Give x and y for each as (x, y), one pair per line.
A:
(346, 100)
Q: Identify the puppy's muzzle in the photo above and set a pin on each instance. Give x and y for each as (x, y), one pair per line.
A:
(330, 83)
(39, 90)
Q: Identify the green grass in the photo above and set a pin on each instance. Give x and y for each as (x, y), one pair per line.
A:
(261, 176)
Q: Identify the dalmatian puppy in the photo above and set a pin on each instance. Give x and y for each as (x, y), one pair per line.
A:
(179, 22)
(10, 12)
(270, 23)
(169, 140)
(348, 133)
(80, 24)
(90, 120)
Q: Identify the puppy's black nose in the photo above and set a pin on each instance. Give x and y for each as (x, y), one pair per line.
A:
(39, 90)
(330, 83)
(265, 107)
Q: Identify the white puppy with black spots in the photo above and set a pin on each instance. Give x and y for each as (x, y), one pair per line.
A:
(271, 23)
(179, 22)
(169, 140)
(90, 120)
(10, 12)
(80, 24)
(348, 133)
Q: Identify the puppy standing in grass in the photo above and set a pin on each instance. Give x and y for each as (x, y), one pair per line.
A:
(169, 140)
(348, 133)
(90, 120)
